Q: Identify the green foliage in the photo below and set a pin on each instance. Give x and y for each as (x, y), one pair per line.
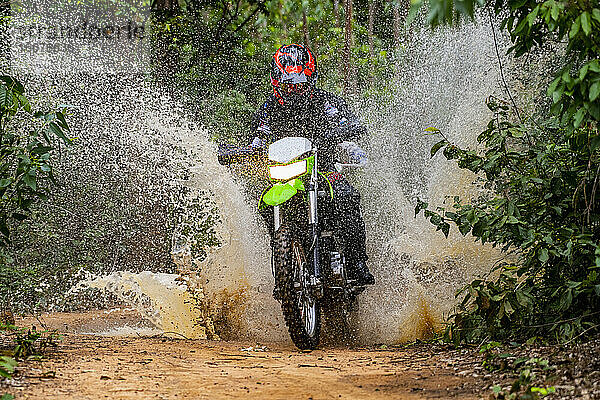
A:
(31, 343)
(219, 53)
(230, 114)
(202, 49)
(526, 369)
(34, 286)
(542, 182)
(542, 179)
(7, 366)
(575, 89)
(442, 12)
(199, 45)
(27, 139)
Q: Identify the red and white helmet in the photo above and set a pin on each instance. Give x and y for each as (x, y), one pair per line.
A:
(293, 73)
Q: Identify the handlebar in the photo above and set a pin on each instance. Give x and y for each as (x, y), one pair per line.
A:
(230, 154)
(339, 167)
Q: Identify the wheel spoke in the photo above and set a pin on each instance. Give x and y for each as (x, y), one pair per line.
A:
(300, 308)
(306, 304)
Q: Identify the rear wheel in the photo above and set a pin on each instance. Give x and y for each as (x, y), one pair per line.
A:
(300, 307)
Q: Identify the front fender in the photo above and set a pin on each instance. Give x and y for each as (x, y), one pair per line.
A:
(282, 192)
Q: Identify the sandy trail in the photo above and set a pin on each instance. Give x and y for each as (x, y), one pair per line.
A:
(93, 366)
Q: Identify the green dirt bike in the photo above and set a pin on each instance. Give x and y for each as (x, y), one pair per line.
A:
(308, 260)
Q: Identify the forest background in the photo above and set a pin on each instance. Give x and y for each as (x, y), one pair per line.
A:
(540, 159)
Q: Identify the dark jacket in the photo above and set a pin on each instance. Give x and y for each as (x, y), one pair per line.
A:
(324, 118)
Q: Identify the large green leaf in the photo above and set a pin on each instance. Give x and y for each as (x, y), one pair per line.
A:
(7, 366)
(5, 98)
(575, 28)
(594, 91)
(30, 180)
(586, 23)
(436, 147)
(54, 128)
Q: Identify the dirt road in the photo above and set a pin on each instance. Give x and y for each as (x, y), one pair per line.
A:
(91, 366)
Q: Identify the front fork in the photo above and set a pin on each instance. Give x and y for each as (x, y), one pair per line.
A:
(276, 220)
(313, 217)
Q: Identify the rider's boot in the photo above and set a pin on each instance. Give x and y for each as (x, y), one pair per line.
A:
(363, 275)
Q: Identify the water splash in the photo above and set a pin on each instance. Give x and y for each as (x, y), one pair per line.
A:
(160, 298)
(232, 284)
(134, 136)
(443, 82)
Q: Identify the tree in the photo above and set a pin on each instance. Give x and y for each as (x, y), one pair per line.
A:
(347, 46)
(4, 36)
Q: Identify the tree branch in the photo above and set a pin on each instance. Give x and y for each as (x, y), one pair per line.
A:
(502, 74)
(244, 22)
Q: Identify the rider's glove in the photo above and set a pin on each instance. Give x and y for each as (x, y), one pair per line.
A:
(351, 153)
(258, 143)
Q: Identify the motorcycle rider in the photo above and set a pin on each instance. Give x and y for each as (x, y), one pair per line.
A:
(298, 108)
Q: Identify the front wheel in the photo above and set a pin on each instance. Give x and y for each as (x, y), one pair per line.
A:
(300, 307)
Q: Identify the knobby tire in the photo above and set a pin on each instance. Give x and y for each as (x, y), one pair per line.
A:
(285, 268)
